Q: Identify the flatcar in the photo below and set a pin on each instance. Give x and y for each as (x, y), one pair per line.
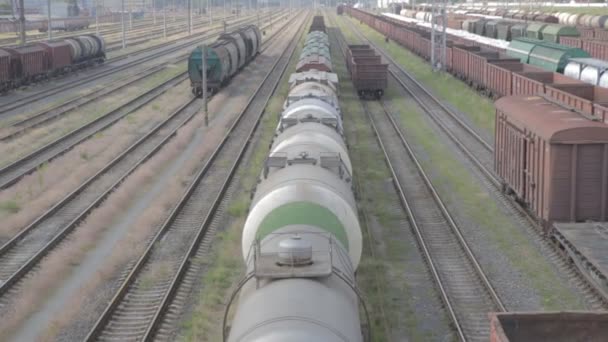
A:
(224, 58)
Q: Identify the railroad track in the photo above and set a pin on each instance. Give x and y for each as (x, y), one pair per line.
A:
(13, 172)
(139, 308)
(20, 127)
(139, 27)
(165, 49)
(21, 254)
(465, 289)
(481, 154)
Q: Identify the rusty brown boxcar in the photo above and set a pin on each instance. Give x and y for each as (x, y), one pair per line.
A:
(554, 160)
(566, 326)
(530, 83)
(575, 42)
(5, 69)
(460, 59)
(499, 76)
(578, 96)
(596, 48)
(59, 55)
(368, 73)
(318, 24)
(28, 62)
(478, 62)
(340, 9)
(601, 34)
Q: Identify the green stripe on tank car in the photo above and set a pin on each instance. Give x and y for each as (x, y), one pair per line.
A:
(306, 213)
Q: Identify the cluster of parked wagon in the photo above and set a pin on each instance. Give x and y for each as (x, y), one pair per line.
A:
(315, 54)
(534, 69)
(36, 61)
(564, 18)
(551, 130)
(224, 58)
(594, 40)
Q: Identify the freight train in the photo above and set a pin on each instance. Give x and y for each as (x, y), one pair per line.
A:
(68, 24)
(493, 72)
(302, 240)
(36, 61)
(592, 40)
(551, 130)
(224, 58)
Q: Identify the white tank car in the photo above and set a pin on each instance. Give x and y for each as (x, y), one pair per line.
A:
(302, 240)
(311, 110)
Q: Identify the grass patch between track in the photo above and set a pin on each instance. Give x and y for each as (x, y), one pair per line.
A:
(382, 277)
(453, 178)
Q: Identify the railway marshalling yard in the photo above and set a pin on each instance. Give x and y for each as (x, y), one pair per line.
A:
(122, 212)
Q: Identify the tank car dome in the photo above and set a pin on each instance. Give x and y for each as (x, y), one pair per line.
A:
(312, 109)
(312, 90)
(315, 138)
(304, 195)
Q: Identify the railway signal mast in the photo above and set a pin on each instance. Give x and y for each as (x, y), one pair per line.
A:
(438, 38)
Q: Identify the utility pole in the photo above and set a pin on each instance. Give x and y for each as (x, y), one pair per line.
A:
(154, 12)
(209, 13)
(49, 19)
(21, 23)
(204, 82)
(122, 20)
(438, 43)
(96, 18)
(189, 17)
(164, 20)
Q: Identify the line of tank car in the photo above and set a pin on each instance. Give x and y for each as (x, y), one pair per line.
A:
(551, 131)
(224, 58)
(302, 240)
(33, 62)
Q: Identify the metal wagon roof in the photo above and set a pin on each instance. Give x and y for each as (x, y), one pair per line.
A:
(551, 121)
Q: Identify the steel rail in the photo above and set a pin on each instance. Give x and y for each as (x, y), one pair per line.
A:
(47, 115)
(29, 163)
(21, 254)
(459, 312)
(187, 197)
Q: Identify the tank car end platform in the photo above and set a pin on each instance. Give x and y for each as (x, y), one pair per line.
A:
(585, 245)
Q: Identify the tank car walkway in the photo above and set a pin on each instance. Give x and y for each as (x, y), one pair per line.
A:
(585, 244)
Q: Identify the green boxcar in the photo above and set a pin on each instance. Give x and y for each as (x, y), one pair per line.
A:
(521, 48)
(535, 31)
(551, 33)
(518, 30)
(546, 55)
(554, 57)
